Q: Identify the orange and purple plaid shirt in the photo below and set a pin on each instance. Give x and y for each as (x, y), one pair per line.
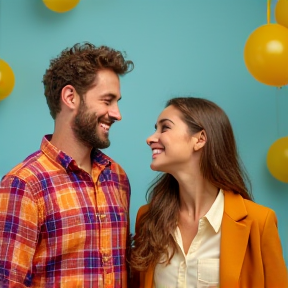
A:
(62, 227)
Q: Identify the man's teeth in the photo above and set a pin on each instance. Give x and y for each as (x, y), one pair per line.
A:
(156, 151)
(105, 126)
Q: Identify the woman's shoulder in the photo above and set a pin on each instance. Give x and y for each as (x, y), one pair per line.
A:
(238, 207)
(261, 213)
(256, 207)
(142, 210)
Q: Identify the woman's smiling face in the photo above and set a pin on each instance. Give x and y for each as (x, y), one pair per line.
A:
(172, 143)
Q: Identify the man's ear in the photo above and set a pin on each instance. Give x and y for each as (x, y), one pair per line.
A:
(69, 96)
(201, 140)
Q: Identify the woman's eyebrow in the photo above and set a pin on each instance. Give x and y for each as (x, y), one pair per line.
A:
(163, 120)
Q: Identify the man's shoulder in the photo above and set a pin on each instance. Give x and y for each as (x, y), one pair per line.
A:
(27, 169)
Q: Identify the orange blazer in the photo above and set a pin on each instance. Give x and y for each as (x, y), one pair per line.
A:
(250, 250)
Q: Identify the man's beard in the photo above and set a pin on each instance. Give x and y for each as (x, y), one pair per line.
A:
(85, 128)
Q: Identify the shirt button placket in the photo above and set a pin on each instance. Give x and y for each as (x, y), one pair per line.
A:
(106, 256)
(182, 275)
(106, 260)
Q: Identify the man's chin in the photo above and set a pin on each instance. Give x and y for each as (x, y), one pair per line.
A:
(96, 144)
(102, 145)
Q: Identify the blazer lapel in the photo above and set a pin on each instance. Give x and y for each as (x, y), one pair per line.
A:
(147, 278)
(234, 239)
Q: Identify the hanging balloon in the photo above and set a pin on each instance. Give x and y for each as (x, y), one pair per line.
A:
(281, 12)
(61, 6)
(266, 54)
(7, 79)
(277, 159)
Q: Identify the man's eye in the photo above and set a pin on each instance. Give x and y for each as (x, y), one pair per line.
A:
(107, 101)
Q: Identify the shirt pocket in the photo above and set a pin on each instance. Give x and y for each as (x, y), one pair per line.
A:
(208, 273)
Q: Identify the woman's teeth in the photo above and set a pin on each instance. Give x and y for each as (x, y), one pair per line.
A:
(156, 151)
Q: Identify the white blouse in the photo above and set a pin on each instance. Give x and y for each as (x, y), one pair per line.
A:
(200, 267)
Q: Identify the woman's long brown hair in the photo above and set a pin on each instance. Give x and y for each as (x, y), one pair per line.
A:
(219, 164)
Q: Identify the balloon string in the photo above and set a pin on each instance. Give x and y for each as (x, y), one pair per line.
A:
(268, 11)
(277, 110)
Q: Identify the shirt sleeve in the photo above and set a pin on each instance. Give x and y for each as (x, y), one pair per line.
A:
(274, 265)
(18, 232)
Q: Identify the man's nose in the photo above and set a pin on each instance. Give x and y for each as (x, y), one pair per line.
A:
(114, 113)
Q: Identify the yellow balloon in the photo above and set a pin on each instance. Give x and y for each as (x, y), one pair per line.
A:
(61, 6)
(277, 159)
(281, 12)
(266, 54)
(7, 79)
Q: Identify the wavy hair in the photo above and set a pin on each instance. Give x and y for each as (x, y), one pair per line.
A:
(219, 164)
(78, 66)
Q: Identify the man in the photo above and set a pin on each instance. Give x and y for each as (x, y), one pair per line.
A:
(64, 211)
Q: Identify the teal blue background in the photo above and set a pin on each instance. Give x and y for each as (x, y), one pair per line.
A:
(184, 47)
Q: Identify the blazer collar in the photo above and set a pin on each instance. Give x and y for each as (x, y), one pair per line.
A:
(235, 232)
(234, 206)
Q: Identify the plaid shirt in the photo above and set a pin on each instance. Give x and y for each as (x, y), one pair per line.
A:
(62, 227)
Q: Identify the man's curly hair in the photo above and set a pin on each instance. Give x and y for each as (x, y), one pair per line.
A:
(77, 66)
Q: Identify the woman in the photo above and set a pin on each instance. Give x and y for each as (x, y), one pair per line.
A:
(201, 227)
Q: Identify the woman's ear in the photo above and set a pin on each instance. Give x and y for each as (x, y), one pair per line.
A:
(201, 140)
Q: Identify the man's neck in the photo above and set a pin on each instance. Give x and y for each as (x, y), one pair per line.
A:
(74, 148)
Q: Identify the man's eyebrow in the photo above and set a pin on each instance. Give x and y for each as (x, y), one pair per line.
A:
(163, 120)
(111, 95)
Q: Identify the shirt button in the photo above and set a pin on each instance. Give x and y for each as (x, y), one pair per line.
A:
(106, 257)
(108, 281)
(102, 216)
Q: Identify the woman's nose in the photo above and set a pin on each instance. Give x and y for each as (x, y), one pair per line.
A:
(152, 139)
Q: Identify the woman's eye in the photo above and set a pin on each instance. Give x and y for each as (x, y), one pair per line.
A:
(165, 128)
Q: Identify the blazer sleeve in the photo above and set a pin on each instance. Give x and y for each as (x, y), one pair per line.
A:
(275, 271)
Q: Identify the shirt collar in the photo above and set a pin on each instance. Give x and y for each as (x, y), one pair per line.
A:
(65, 160)
(54, 153)
(215, 213)
(100, 158)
